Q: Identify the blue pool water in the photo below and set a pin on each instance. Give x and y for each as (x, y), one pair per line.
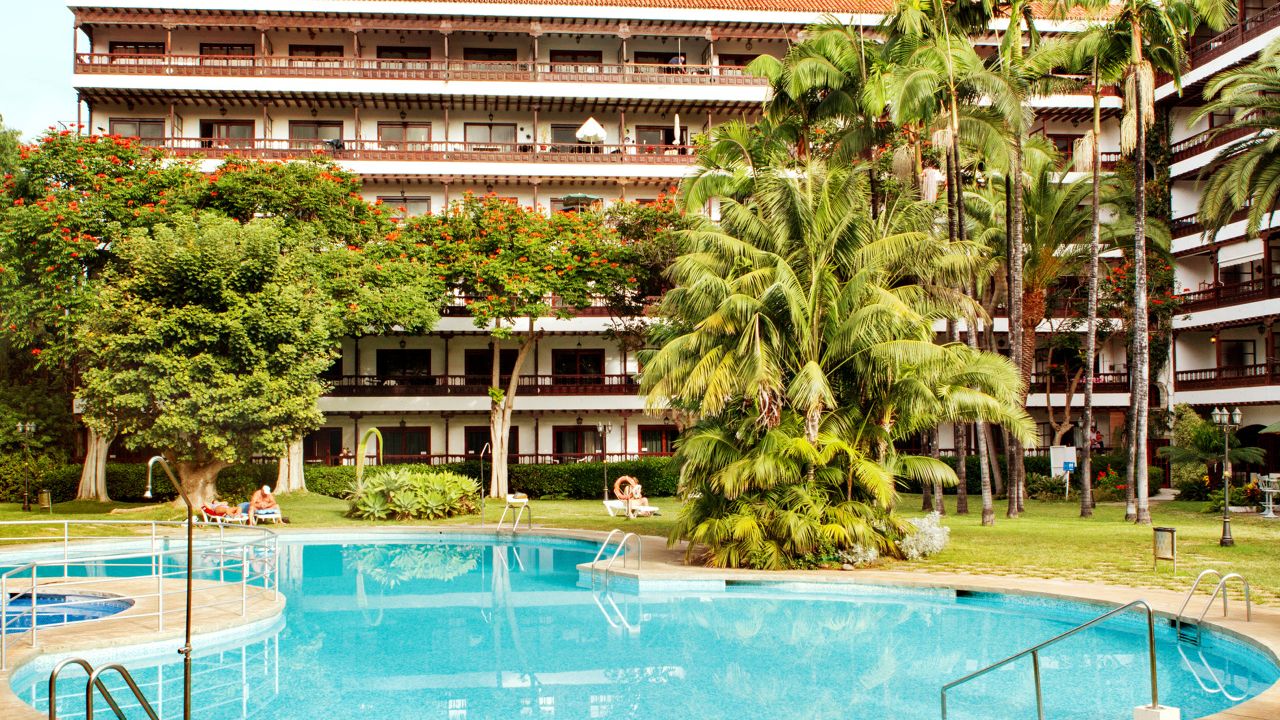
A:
(461, 629)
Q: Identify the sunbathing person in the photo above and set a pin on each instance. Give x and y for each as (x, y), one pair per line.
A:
(262, 499)
(221, 509)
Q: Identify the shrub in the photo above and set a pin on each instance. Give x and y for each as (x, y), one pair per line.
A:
(1043, 487)
(929, 538)
(859, 555)
(408, 494)
(1108, 485)
(128, 481)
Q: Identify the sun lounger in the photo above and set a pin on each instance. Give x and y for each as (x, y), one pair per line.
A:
(209, 517)
(617, 507)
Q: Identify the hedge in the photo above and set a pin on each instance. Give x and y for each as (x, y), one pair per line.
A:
(127, 481)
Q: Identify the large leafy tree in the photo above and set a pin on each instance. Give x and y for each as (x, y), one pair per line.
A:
(207, 342)
(511, 265)
(69, 198)
(799, 335)
(1249, 172)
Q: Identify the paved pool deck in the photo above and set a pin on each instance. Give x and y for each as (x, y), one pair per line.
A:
(660, 563)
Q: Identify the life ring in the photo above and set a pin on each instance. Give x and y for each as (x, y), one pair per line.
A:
(618, 486)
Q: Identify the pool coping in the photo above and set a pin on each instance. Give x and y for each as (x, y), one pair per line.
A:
(663, 563)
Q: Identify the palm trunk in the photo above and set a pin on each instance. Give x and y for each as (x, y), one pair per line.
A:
(994, 458)
(1141, 338)
(981, 429)
(1091, 324)
(1016, 349)
(960, 437)
(93, 476)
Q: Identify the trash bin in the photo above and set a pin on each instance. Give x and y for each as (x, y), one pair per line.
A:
(46, 500)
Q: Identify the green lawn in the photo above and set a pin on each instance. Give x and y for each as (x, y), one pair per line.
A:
(1050, 540)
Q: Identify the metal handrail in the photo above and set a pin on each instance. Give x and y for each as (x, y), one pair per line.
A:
(1034, 652)
(1195, 674)
(120, 670)
(1177, 619)
(599, 553)
(1219, 588)
(622, 544)
(88, 669)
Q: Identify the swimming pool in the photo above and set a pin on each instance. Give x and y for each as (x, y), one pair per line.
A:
(459, 627)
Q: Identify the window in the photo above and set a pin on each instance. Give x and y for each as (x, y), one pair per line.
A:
(413, 205)
(654, 58)
(316, 133)
(570, 60)
(577, 367)
(1065, 144)
(575, 441)
(1238, 353)
(412, 365)
(404, 442)
(489, 54)
(1235, 274)
(652, 138)
(489, 136)
(315, 55)
(475, 437)
(227, 133)
(564, 138)
(404, 135)
(735, 60)
(149, 132)
(130, 47)
(227, 54)
(1222, 117)
(658, 439)
(322, 446)
(574, 203)
(400, 52)
(477, 365)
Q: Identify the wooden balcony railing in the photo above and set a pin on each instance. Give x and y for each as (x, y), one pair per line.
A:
(441, 150)
(1227, 377)
(1102, 382)
(382, 69)
(437, 385)
(1226, 295)
(514, 458)
(1234, 37)
(1207, 140)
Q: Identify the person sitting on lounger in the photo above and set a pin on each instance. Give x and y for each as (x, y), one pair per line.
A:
(629, 488)
(221, 509)
(262, 499)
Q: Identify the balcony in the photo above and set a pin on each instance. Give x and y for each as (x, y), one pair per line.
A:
(1267, 373)
(1103, 382)
(478, 385)
(438, 151)
(1209, 139)
(437, 70)
(513, 458)
(1234, 37)
(1228, 294)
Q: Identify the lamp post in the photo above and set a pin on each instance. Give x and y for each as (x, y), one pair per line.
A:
(25, 431)
(603, 429)
(1228, 420)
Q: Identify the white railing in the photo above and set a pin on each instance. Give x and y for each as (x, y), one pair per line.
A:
(130, 561)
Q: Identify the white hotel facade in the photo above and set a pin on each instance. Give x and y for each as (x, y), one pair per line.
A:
(428, 100)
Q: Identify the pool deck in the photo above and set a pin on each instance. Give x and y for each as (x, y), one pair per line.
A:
(136, 625)
(660, 563)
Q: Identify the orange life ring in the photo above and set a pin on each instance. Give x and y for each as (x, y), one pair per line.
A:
(618, 484)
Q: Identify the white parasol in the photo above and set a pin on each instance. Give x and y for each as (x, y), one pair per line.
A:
(675, 139)
(591, 132)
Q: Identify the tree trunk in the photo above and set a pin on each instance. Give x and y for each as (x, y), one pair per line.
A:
(997, 474)
(1091, 323)
(200, 481)
(1141, 337)
(981, 429)
(501, 406)
(1130, 508)
(291, 477)
(960, 437)
(939, 506)
(93, 475)
(1016, 343)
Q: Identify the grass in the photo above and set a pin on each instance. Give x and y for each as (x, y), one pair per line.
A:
(1050, 540)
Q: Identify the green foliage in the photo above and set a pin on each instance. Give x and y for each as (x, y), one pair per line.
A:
(404, 493)
(126, 482)
(391, 564)
(651, 232)
(1043, 487)
(207, 342)
(9, 149)
(1188, 478)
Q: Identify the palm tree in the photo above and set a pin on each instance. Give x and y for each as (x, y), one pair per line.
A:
(1205, 448)
(1156, 30)
(1097, 52)
(800, 332)
(1247, 177)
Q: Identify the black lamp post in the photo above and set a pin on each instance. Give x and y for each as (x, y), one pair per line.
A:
(25, 431)
(1228, 421)
(602, 429)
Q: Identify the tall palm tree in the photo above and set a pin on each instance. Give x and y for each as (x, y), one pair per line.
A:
(800, 331)
(1249, 174)
(1156, 30)
(1098, 53)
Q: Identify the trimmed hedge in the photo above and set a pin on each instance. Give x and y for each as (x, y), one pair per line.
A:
(575, 481)
(128, 481)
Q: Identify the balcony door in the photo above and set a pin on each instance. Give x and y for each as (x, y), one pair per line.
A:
(406, 444)
(227, 54)
(315, 134)
(129, 52)
(578, 366)
(322, 446)
(402, 57)
(576, 61)
(658, 439)
(412, 136)
(404, 366)
(478, 365)
(658, 138)
(315, 55)
(476, 437)
(489, 58)
(150, 132)
(490, 137)
(227, 133)
(575, 441)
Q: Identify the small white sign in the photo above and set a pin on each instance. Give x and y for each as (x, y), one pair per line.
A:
(77, 406)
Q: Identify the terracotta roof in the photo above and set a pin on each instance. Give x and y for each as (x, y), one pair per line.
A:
(868, 7)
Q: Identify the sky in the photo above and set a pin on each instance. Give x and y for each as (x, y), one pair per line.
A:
(35, 65)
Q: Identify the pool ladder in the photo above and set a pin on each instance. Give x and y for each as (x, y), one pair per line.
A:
(95, 683)
(622, 544)
(1034, 652)
(1189, 631)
